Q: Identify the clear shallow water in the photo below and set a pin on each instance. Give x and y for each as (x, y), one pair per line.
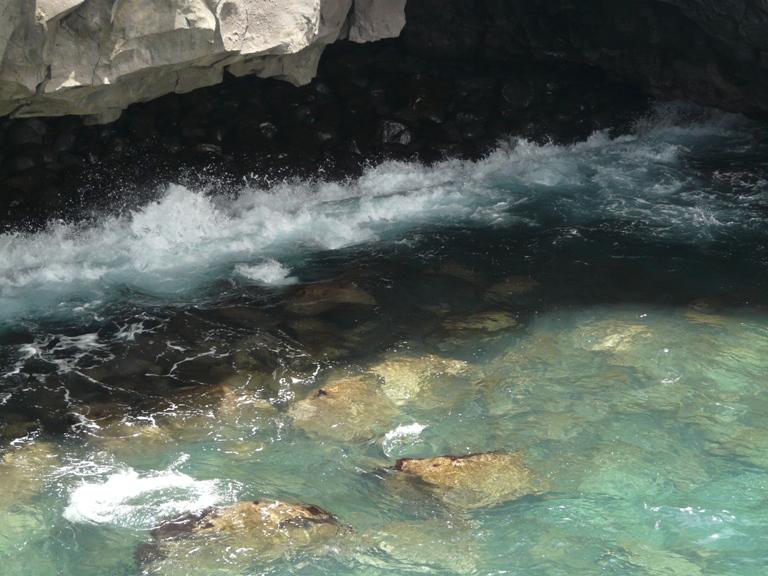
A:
(605, 301)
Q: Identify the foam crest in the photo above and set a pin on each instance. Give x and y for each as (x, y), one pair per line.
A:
(271, 272)
(186, 238)
(128, 499)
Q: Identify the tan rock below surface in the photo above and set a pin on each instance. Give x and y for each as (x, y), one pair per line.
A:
(346, 408)
(23, 471)
(95, 57)
(406, 378)
(473, 481)
(242, 534)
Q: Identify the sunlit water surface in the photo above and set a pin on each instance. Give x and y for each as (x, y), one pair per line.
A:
(598, 308)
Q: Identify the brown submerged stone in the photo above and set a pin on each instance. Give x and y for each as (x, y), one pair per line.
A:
(510, 288)
(346, 408)
(490, 322)
(260, 530)
(408, 377)
(23, 471)
(474, 480)
(318, 298)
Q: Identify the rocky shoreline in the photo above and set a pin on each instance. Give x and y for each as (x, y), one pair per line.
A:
(461, 75)
(369, 103)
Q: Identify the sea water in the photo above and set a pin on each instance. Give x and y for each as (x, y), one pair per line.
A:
(606, 302)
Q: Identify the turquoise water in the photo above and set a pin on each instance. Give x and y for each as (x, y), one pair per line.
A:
(598, 309)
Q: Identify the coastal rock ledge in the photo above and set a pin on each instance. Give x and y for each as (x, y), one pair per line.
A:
(95, 57)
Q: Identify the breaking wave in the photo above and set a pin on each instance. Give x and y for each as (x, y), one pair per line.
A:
(651, 182)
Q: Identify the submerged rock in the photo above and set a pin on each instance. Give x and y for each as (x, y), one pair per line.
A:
(457, 270)
(321, 338)
(346, 408)
(427, 545)
(317, 298)
(475, 480)
(611, 336)
(706, 311)
(491, 321)
(626, 470)
(238, 536)
(654, 560)
(510, 288)
(23, 471)
(405, 378)
(14, 426)
(746, 443)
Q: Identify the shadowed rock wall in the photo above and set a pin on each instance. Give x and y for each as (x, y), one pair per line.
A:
(712, 52)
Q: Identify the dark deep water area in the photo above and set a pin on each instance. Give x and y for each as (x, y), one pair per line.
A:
(596, 308)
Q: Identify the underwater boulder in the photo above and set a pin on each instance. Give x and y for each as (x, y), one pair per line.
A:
(511, 288)
(23, 470)
(475, 329)
(707, 311)
(406, 378)
(426, 545)
(457, 270)
(346, 408)
(14, 426)
(489, 322)
(238, 536)
(624, 470)
(615, 336)
(320, 337)
(653, 560)
(475, 480)
(745, 443)
(313, 299)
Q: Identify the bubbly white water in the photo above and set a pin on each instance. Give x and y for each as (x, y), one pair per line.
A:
(632, 385)
(186, 238)
(403, 435)
(270, 272)
(128, 499)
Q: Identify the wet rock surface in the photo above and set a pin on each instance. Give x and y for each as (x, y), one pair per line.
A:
(428, 545)
(368, 103)
(243, 534)
(346, 408)
(473, 481)
(410, 378)
(23, 471)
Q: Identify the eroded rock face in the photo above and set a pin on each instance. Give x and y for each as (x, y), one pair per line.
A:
(473, 481)
(242, 534)
(95, 57)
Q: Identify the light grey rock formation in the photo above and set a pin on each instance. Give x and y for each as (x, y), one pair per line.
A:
(95, 57)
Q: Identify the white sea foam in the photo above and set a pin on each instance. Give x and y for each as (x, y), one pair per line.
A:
(131, 500)
(401, 437)
(270, 272)
(187, 238)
